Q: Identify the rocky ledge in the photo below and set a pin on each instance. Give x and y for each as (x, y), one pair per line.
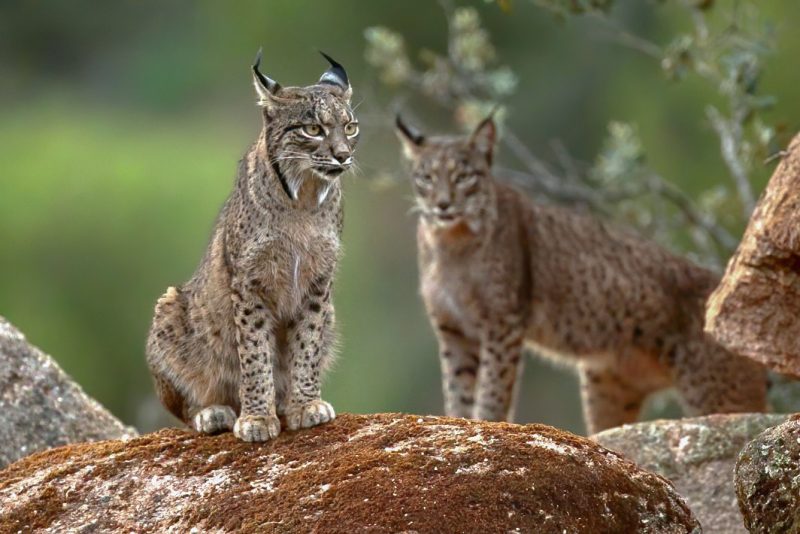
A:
(376, 473)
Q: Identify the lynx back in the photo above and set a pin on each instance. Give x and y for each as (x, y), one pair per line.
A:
(499, 272)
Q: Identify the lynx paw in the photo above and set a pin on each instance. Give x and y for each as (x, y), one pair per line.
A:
(257, 427)
(310, 414)
(214, 419)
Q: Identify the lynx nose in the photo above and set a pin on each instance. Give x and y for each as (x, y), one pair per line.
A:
(343, 157)
(443, 205)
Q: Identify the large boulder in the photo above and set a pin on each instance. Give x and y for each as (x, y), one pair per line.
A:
(698, 455)
(40, 406)
(755, 311)
(768, 480)
(360, 473)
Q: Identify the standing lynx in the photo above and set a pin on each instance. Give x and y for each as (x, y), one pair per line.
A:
(499, 272)
(246, 339)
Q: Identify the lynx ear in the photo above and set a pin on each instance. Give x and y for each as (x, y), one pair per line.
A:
(409, 136)
(265, 86)
(336, 76)
(484, 137)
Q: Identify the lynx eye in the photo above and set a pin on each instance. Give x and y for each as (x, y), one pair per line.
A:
(424, 178)
(464, 178)
(312, 130)
(351, 129)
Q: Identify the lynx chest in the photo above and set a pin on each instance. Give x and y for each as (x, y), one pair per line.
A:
(294, 256)
(454, 293)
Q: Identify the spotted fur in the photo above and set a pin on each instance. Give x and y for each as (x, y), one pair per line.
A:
(248, 337)
(499, 272)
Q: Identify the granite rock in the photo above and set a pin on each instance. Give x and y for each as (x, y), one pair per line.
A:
(40, 406)
(698, 456)
(768, 480)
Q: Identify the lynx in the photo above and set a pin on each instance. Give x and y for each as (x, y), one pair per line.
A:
(499, 272)
(246, 339)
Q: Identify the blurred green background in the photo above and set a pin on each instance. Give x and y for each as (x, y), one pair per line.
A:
(121, 124)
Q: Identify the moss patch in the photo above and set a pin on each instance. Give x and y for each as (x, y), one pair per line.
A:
(375, 473)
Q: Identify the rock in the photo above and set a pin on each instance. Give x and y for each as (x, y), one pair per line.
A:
(755, 311)
(360, 473)
(768, 480)
(40, 406)
(698, 455)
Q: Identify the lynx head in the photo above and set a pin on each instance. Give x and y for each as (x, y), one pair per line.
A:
(451, 175)
(307, 130)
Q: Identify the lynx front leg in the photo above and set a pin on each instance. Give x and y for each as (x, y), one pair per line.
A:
(459, 360)
(256, 345)
(500, 364)
(608, 399)
(310, 344)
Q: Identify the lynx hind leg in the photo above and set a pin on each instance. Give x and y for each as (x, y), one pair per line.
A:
(712, 380)
(162, 346)
(172, 399)
(209, 420)
(214, 419)
(167, 331)
(167, 356)
(608, 399)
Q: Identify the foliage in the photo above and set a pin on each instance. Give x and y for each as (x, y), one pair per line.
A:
(121, 124)
(725, 45)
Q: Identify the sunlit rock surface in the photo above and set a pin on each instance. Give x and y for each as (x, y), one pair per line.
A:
(755, 311)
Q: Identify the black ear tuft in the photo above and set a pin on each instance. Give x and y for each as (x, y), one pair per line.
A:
(267, 83)
(409, 132)
(484, 137)
(336, 75)
(411, 138)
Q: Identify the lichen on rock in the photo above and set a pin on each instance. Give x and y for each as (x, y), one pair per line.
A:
(698, 456)
(768, 480)
(376, 473)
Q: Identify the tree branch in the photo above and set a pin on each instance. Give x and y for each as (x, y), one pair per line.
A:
(730, 137)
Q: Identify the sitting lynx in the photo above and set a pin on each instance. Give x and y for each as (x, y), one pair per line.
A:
(499, 272)
(246, 339)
